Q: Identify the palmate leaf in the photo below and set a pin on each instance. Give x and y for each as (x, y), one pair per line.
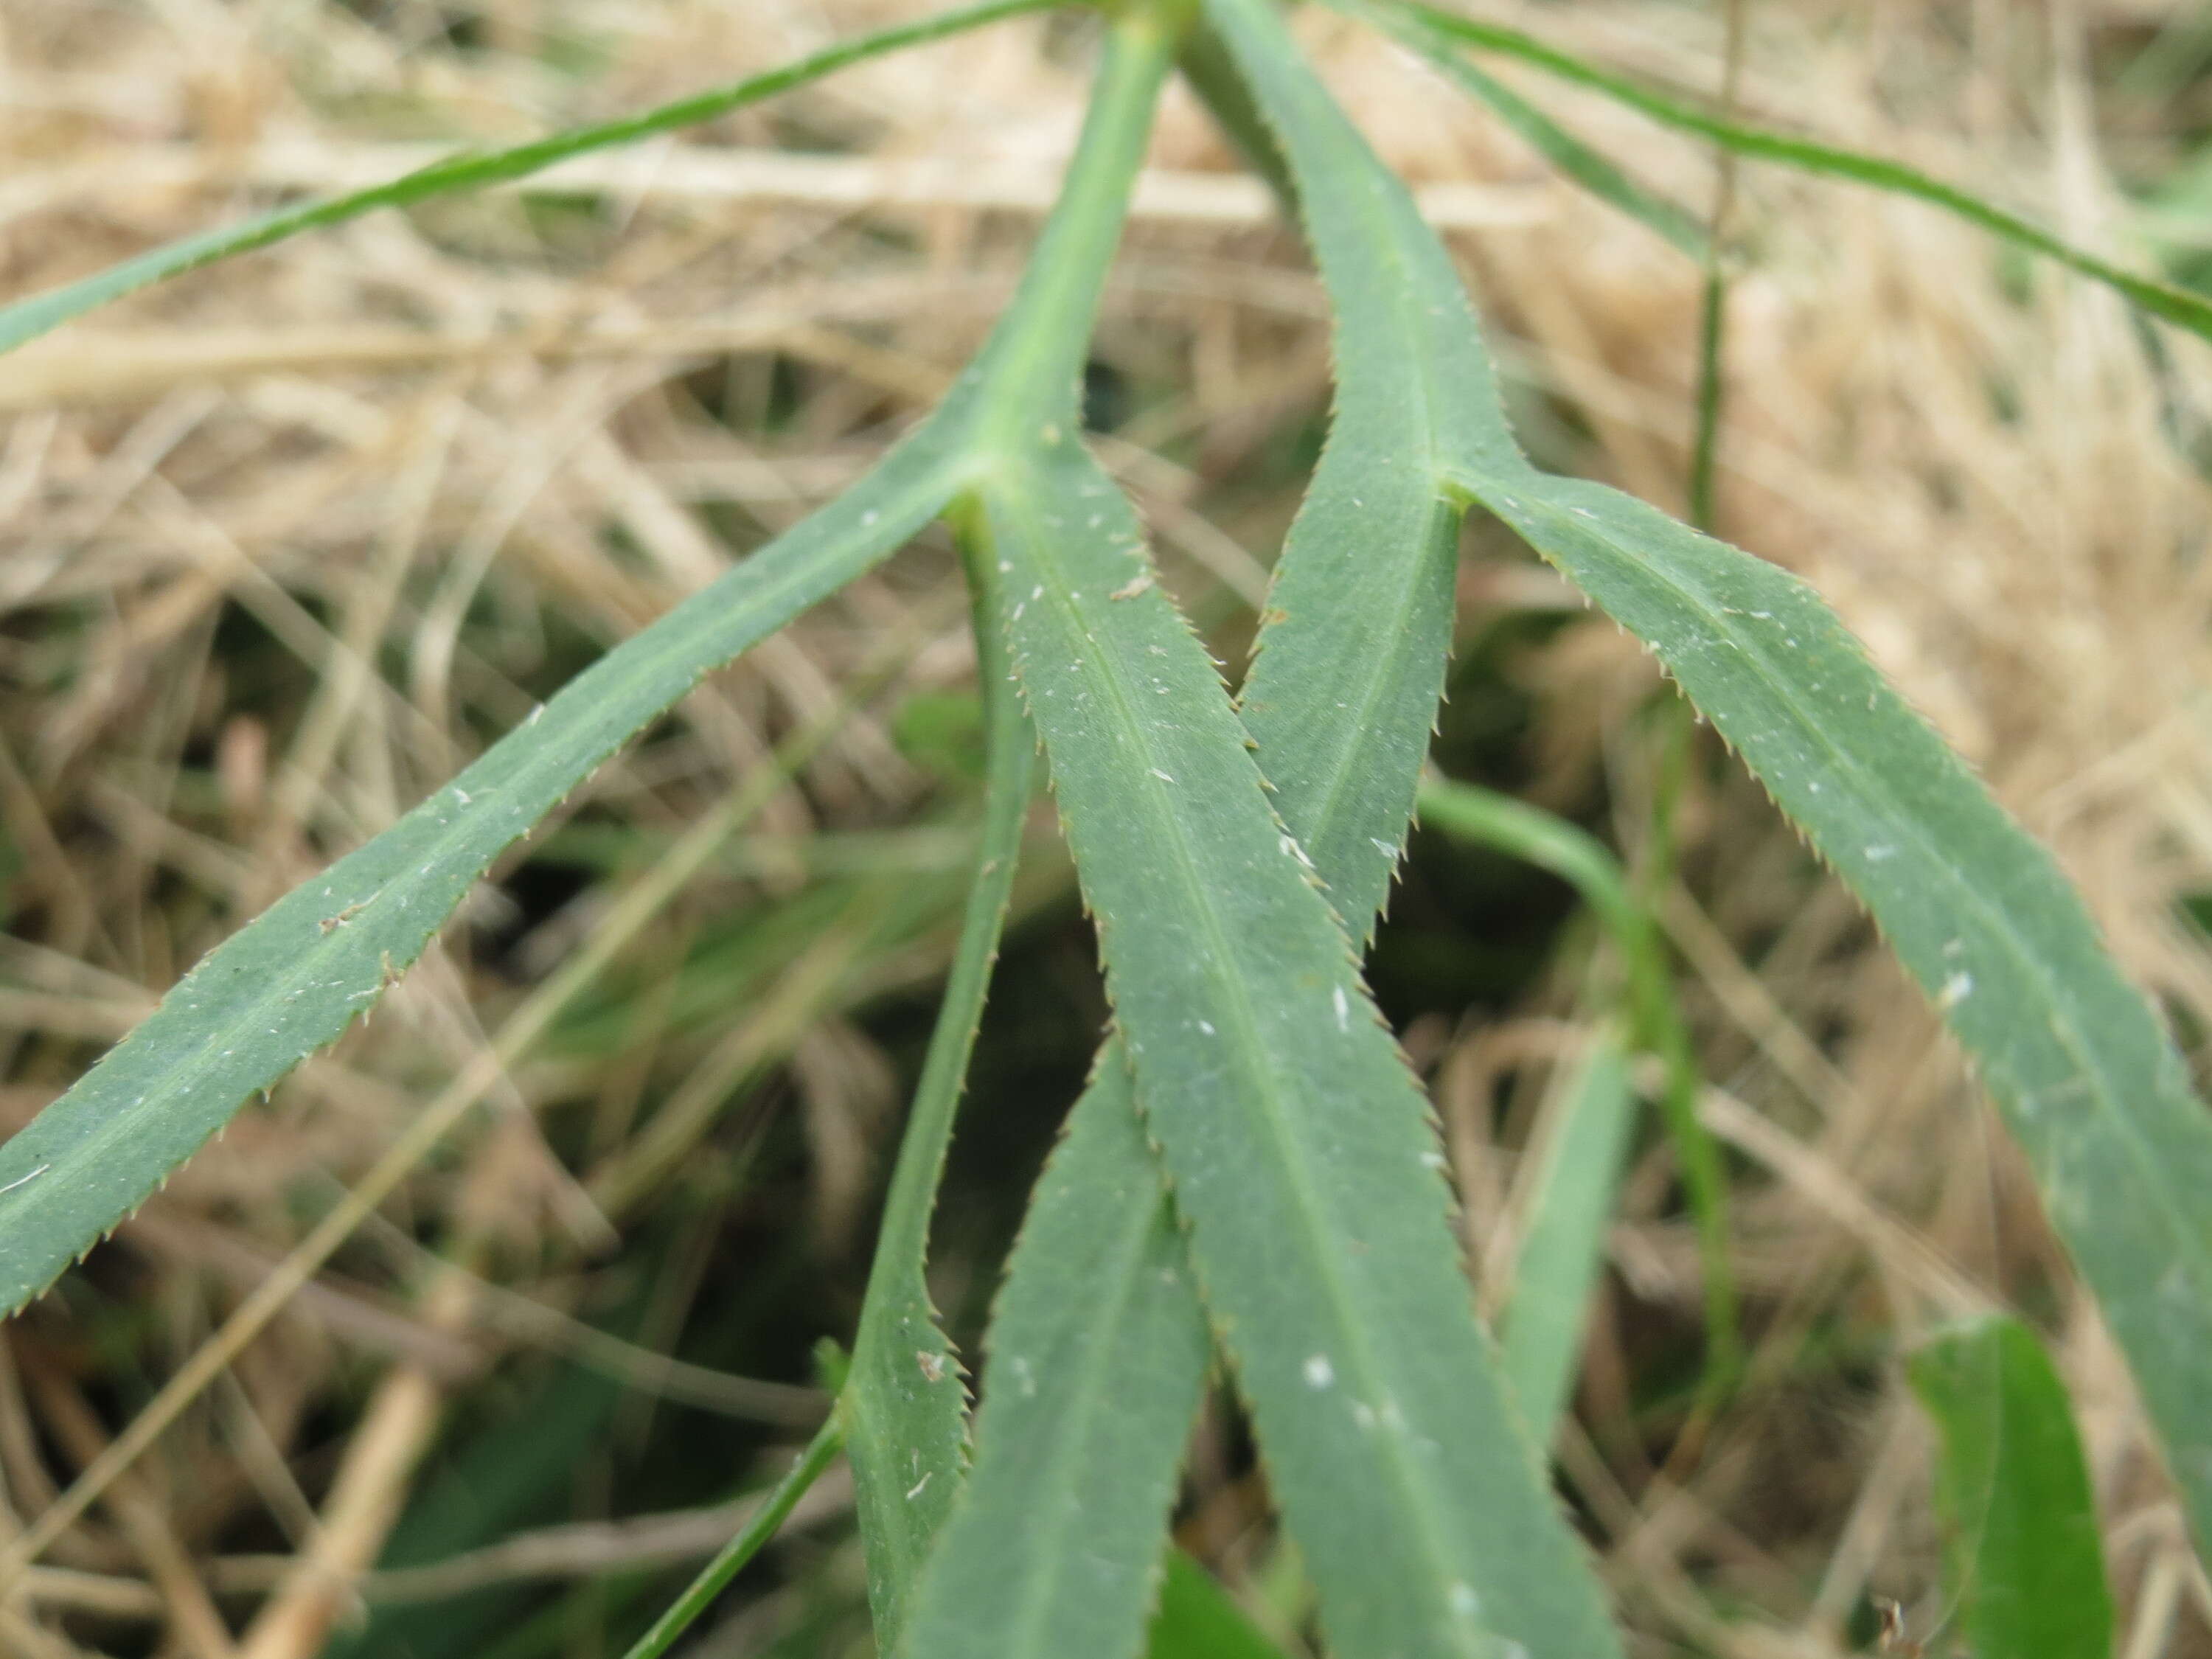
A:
(2089, 1082)
(26, 319)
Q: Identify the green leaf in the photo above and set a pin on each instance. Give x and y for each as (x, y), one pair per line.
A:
(2090, 1083)
(1098, 1357)
(1205, 66)
(26, 319)
(904, 1405)
(1297, 1142)
(1563, 1242)
(1197, 1619)
(2027, 1574)
(291, 980)
(2177, 306)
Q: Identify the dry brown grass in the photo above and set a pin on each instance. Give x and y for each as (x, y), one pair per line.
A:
(286, 542)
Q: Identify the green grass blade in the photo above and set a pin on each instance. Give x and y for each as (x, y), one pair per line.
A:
(471, 170)
(715, 1575)
(1576, 857)
(1297, 1142)
(291, 980)
(2177, 306)
(1197, 1621)
(1563, 1243)
(904, 1407)
(1593, 171)
(2026, 1569)
(1489, 818)
(1705, 446)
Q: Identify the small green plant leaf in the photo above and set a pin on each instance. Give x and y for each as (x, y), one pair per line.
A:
(2027, 1570)
(1197, 1619)
(26, 319)
(2175, 305)
(1563, 1242)
(1098, 1356)
(905, 1404)
(1471, 813)
(292, 979)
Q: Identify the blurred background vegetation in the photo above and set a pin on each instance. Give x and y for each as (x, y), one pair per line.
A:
(285, 543)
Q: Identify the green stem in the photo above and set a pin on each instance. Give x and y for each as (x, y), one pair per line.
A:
(1029, 377)
(767, 1522)
(1704, 452)
(1712, 313)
